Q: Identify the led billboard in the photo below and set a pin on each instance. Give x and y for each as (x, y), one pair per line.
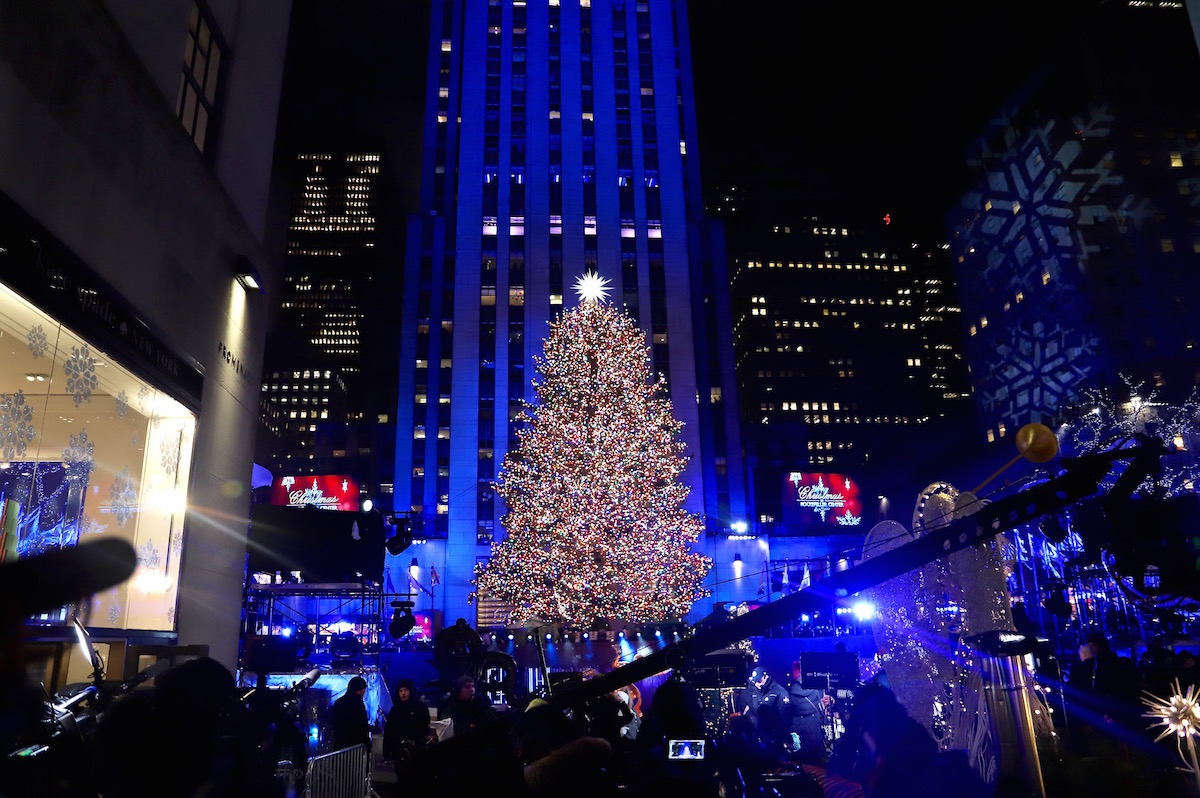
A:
(816, 503)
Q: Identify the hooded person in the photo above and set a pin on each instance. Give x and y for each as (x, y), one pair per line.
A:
(406, 727)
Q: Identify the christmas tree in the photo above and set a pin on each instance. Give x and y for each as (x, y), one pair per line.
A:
(595, 524)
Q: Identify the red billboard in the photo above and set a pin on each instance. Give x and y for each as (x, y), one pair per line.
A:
(821, 504)
(327, 492)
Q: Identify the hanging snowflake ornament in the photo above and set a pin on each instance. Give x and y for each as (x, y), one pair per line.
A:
(80, 369)
(16, 425)
(37, 341)
(143, 398)
(123, 497)
(80, 451)
(148, 556)
(122, 401)
(168, 450)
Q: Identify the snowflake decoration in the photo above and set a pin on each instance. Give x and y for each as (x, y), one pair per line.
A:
(591, 287)
(148, 556)
(143, 398)
(122, 404)
(177, 543)
(80, 451)
(80, 369)
(168, 450)
(171, 616)
(90, 526)
(114, 613)
(16, 425)
(37, 341)
(123, 496)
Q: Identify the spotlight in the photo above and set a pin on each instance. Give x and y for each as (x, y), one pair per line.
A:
(510, 635)
(247, 276)
(402, 619)
(345, 647)
(586, 635)
(658, 632)
(403, 537)
(549, 636)
(737, 557)
(414, 563)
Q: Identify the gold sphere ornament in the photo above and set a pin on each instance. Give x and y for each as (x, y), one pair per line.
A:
(1037, 443)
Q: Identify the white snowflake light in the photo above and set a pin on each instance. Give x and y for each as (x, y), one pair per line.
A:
(591, 287)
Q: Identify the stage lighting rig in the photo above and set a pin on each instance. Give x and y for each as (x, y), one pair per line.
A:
(403, 536)
(402, 619)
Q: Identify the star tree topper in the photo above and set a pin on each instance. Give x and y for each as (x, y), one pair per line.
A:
(591, 287)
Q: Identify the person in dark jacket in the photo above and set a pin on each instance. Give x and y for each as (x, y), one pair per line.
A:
(348, 721)
(807, 719)
(407, 725)
(468, 711)
(766, 702)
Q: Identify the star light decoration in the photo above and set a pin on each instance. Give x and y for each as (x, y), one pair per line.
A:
(591, 287)
(1178, 715)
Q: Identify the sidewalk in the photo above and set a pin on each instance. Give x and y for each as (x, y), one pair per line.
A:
(383, 775)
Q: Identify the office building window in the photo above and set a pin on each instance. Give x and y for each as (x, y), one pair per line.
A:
(202, 53)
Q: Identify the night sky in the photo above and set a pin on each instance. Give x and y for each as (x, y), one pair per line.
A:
(818, 107)
(867, 109)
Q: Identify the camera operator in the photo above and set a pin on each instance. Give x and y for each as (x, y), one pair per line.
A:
(43, 745)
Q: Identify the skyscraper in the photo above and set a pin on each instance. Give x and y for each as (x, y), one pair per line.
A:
(842, 352)
(329, 371)
(559, 138)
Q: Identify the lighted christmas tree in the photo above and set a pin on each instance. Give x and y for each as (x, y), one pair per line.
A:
(595, 522)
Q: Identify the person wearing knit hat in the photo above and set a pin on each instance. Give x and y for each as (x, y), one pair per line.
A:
(468, 710)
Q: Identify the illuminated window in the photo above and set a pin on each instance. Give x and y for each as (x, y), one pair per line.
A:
(198, 83)
(1168, 245)
(1176, 160)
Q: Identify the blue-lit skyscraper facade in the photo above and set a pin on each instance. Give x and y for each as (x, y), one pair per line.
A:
(559, 138)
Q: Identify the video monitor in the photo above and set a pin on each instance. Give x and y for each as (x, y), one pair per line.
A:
(685, 749)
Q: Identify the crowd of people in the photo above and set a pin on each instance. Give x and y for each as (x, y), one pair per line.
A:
(194, 733)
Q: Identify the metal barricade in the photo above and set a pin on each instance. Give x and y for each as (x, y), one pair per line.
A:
(340, 774)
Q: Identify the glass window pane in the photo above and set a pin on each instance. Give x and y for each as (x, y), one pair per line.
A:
(201, 127)
(95, 452)
(189, 108)
(214, 67)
